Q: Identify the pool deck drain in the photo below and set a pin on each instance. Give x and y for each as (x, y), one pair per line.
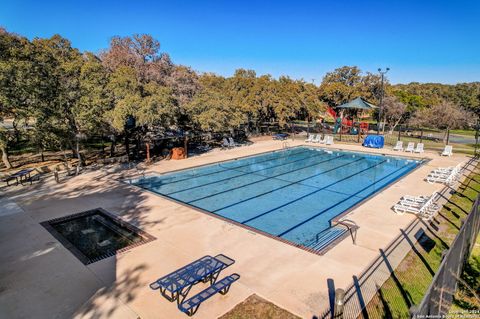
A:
(40, 276)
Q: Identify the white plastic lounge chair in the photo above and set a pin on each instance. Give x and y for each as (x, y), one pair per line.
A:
(448, 170)
(310, 138)
(417, 200)
(324, 140)
(447, 179)
(329, 140)
(398, 146)
(419, 148)
(232, 142)
(316, 139)
(448, 151)
(225, 143)
(425, 210)
(410, 147)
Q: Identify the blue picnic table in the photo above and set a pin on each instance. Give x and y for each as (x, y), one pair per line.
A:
(281, 136)
(21, 176)
(176, 285)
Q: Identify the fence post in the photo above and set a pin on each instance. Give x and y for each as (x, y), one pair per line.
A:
(413, 311)
(358, 132)
(339, 303)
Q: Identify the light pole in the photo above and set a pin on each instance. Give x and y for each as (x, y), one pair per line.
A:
(382, 74)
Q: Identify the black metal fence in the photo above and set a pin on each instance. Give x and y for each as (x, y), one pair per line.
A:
(432, 139)
(439, 296)
(383, 292)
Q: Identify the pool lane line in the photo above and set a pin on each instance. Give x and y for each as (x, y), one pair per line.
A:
(288, 185)
(311, 193)
(245, 173)
(336, 204)
(262, 180)
(225, 169)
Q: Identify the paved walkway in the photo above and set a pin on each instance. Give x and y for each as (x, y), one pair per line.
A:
(39, 276)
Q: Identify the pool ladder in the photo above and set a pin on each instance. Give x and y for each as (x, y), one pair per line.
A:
(351, 226)
(285, 145)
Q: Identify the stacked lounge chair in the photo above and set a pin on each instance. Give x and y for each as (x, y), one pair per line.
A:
(423, 206)
(446, 175)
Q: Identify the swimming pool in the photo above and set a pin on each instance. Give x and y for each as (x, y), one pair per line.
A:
(291, 194)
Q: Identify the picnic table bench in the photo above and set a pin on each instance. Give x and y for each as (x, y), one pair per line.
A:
(176, 285)
(281, 136)
(20, 176)
(222, 286)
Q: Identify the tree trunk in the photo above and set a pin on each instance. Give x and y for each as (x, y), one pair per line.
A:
(127, 146)
(392, 129)
(79, 157)
(5, 159)
(112, 146)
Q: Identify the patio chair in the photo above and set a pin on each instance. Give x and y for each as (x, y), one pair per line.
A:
(398, 146)
(222, 286)
(316, 139)
(232, 142)
(323, 140)
(419, 148)
(329, 140)
(410, 147)
(225, 143)
(448, 151)
(310, 138)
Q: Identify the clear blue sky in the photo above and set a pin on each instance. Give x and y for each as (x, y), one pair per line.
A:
(420, 40)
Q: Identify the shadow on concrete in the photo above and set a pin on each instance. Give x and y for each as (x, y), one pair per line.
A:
(92, 291)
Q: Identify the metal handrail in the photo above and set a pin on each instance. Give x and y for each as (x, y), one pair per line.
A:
(351, 226)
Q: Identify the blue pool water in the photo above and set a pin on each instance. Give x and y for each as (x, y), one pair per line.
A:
(292, 194)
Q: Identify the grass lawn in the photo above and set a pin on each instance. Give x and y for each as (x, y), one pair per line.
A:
(463, 132)
(255, 307)
(409, 282)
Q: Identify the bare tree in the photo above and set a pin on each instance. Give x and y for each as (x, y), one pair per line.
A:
(444, 116)
(393, 112)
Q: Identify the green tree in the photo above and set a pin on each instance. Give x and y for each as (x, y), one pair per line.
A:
(19, 83)
(211, 109)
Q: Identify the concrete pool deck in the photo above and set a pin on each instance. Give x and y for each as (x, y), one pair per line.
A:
(39, 276)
